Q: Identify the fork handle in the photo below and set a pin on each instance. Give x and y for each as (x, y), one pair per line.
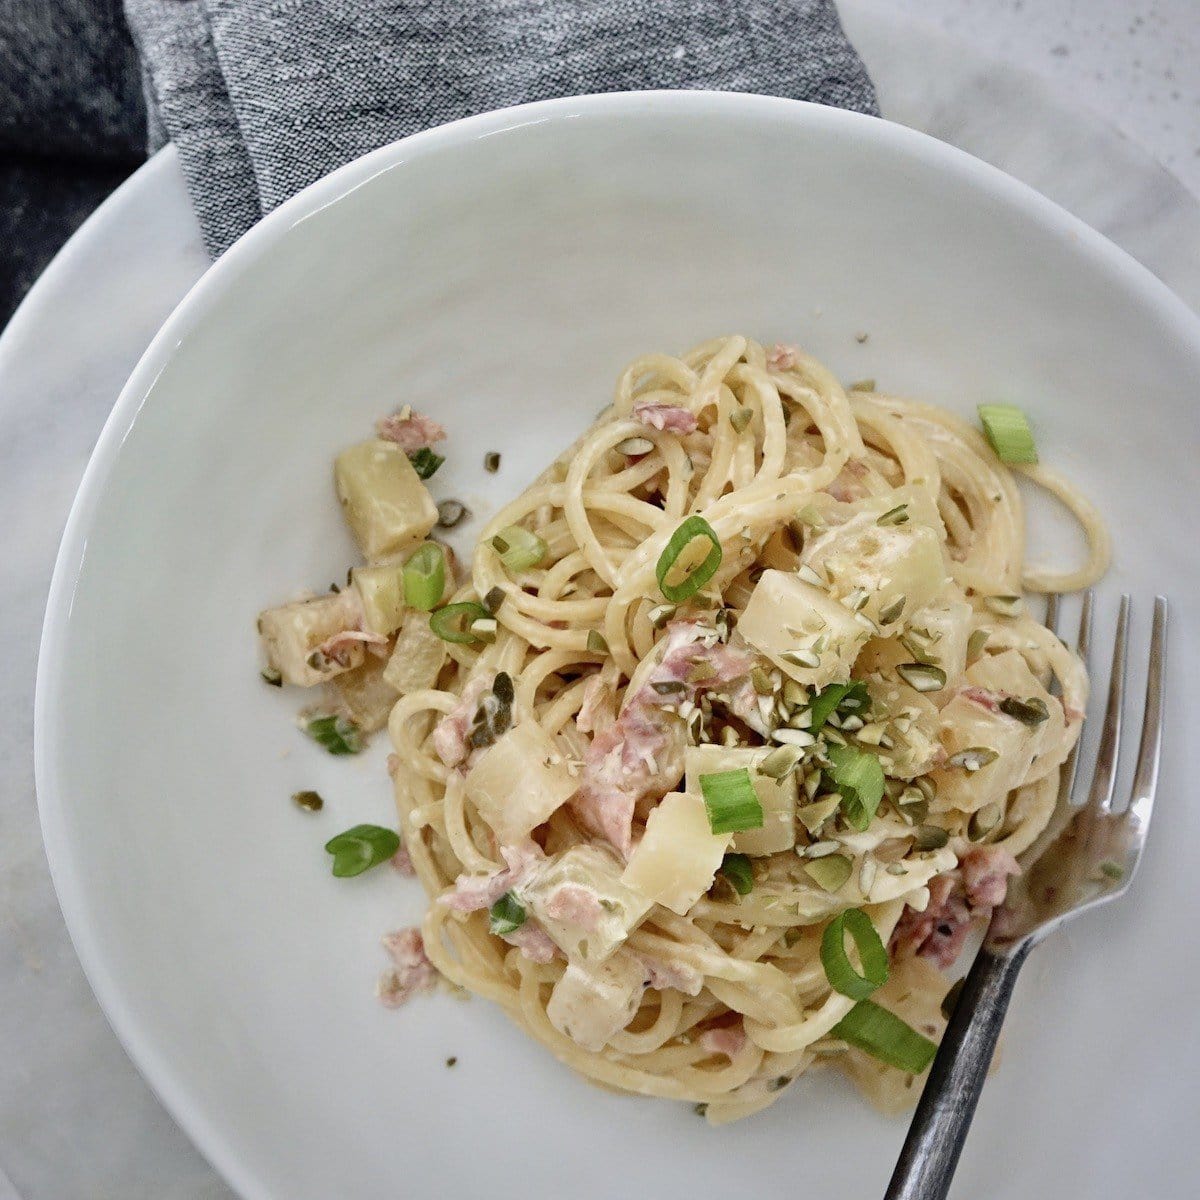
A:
(939, 1126)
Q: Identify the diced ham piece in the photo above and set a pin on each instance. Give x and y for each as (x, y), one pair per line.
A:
(849, 486)
(641, 753)
(597, 711)
(672, 418)
(412, 971)
(985, 872)
(782, 358)
(620, 766)
(982, 697)
(411, 431)
(575, 904)
(450, 733)
(956, 899)
(474, 892)
(939, 932)
(402, 863)
(663, 974)
(728, 1040)
(336, 647)
(533, 942)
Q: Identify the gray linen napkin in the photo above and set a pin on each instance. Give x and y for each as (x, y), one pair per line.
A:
(262, 97)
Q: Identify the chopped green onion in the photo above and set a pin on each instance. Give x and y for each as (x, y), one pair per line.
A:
(923, 677)
(453, 623)
(839, 970)
(360, 848)
(848, 697)
(596, 643)
(859, 778)
(884, 1036)
(736, 868)
(694, 527)
(425, 577)
(1008, 431)
(425, 462)
(829, 872)
(506, 915)
(336, 734)
(519, 548)
(309, 801)
(1029, 712)
(494, 599)
(731, 801)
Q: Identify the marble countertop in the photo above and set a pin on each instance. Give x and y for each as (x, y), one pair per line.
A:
(76, 1120)
(1134, 62)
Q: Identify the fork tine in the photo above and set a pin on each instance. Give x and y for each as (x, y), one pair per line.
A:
(1145, 777)
(1103, 782)
(1066, 780)
(1052, 612)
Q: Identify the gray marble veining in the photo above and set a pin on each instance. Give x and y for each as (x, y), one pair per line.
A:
(76, 1121)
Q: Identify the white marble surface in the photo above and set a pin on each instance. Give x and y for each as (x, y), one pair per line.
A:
(75, 1119)
(1134, 62)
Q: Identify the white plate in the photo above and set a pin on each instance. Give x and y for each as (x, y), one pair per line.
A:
(498, 272)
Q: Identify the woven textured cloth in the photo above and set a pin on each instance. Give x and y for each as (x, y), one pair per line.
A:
(262, 97)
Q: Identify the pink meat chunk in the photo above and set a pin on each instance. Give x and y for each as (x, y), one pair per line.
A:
(672, 418)
(410, 430)
(411, 972)
(533, 942)
(728, 1040)
(474, 892)
(450, 733)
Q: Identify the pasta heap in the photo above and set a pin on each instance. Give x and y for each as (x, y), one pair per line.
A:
(745, 671)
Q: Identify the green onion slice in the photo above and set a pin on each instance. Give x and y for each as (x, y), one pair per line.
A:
(453, 623)
(336, 734)
(361, 848)
(731, 801)
(839, 970)
(849, 698)
(694, 527)
(425, 577)
(884, 1036)
(519, 548)
(736, 868)
(1008, 431)
(425, 462)
(506, 915)
(859, 778)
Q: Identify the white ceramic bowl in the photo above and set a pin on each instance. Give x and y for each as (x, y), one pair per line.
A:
(498, 272)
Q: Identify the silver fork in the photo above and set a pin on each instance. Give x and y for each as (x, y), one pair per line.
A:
(1087, 856)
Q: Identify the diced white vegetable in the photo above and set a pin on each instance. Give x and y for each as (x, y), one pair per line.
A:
(580, 901)
(381, 590)
(920, 506)
(941, 631)
(1009, 673)
(677, 859)
(787, 617)
(385, 502)
(418, 656)
(965, 725)
(909, 722)
(899, 568)
(519, 782)
(777, 797)
(292, 632)
(364, 695)
(591, 1003)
